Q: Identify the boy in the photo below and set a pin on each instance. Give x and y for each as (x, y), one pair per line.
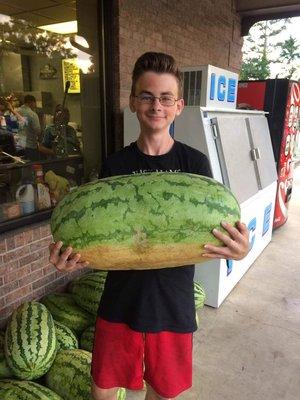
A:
(146, 318)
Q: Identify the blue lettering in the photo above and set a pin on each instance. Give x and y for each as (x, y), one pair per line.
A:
(221, 88)
(232, 84)
(229, 264)
(267, 218)
(212, 86)
(251, 228)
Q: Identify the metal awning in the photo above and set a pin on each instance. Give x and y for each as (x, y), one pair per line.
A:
(260, 10)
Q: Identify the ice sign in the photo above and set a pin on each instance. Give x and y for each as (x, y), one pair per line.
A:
(222, 88)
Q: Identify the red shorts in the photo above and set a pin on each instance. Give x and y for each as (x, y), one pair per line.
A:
(123, 358)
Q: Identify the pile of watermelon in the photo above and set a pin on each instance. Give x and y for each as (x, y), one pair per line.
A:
(45, 351)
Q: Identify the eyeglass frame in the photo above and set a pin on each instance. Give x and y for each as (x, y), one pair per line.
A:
(156, 97)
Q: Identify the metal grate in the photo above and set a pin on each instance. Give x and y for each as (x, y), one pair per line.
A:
(192, 87)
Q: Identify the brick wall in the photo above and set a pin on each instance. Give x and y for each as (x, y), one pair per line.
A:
(194, 32)
(25, 272)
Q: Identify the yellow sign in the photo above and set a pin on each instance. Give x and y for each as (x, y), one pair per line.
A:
(70, 72)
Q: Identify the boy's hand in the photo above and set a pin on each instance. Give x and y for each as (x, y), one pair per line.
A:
(65, 261)
(236, 244)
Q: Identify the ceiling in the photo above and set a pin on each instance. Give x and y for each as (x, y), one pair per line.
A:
(44, 12)
(41, 12)
(258, 10)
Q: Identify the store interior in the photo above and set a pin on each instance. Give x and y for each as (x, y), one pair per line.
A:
(48, 80)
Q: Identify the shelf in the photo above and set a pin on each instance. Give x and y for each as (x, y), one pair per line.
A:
(11, 224)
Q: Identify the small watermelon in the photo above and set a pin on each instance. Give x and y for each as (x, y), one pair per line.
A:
(199, 294)
(87, 338)
(11, 389)
(70, 375)
(5, 371)
(65, 310)
(66, 339)
(30, 341)
(87, 290)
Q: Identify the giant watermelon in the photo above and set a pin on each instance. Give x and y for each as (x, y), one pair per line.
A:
(144, 221)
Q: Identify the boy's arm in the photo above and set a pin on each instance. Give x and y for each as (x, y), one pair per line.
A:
(236, 243)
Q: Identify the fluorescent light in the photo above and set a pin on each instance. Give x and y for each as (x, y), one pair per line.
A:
(63, 27)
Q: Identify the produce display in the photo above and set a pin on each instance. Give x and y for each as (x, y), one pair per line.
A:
(64, 309)
(87, 290)
(70, 376)
(5, 371)
(143, 221)
(36, 345)
(87, 338)
(199, 294)
(66, 339)
(11, 389)
(30, 341)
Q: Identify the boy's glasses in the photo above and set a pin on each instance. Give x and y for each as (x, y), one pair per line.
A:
(165, 100)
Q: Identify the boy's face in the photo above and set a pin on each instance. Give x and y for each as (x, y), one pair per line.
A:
(155, 117)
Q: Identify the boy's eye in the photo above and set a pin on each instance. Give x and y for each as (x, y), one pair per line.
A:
(165, 100)
(146, 98)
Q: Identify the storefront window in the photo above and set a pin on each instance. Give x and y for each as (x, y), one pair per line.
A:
(47, 103)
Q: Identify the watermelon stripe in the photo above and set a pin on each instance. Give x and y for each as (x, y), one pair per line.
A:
(132, 190)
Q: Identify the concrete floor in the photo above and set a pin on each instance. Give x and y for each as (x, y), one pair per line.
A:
(249, 348)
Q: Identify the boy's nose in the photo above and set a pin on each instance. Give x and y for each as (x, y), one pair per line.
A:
(156, 103)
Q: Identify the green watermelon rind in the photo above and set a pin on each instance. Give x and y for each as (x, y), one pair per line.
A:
(30, 341)
(165, 207)
(87, 290)
(12, 389)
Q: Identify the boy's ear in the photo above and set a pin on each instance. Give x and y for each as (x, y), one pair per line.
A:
(179, 106)
(131, 103)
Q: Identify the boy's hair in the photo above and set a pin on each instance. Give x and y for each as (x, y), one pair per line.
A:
(156, 62)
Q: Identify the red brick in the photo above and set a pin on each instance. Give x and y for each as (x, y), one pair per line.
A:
(40, 244)
(31, 277)
(48, 269)
(30, 258)
(6, 312)
(27, 236)
(44, 281)
(45, 230)
(8, 267)
(10, 243)
(58, 285)
(18, 295)
(19, 239)
(15, 254)
(3, 246)
(2, 302)
(17, 274)
(9, 287)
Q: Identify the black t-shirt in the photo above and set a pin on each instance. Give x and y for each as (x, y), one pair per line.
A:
(160, 299)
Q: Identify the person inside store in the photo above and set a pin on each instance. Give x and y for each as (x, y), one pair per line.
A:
(10, 123)
(11, 119)
(53, 142)
(147, 332)
(28, 136)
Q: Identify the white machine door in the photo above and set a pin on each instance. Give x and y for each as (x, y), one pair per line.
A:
(264, 161)
(234, 153)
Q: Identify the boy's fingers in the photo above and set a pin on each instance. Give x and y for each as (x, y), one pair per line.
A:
(55, 251)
